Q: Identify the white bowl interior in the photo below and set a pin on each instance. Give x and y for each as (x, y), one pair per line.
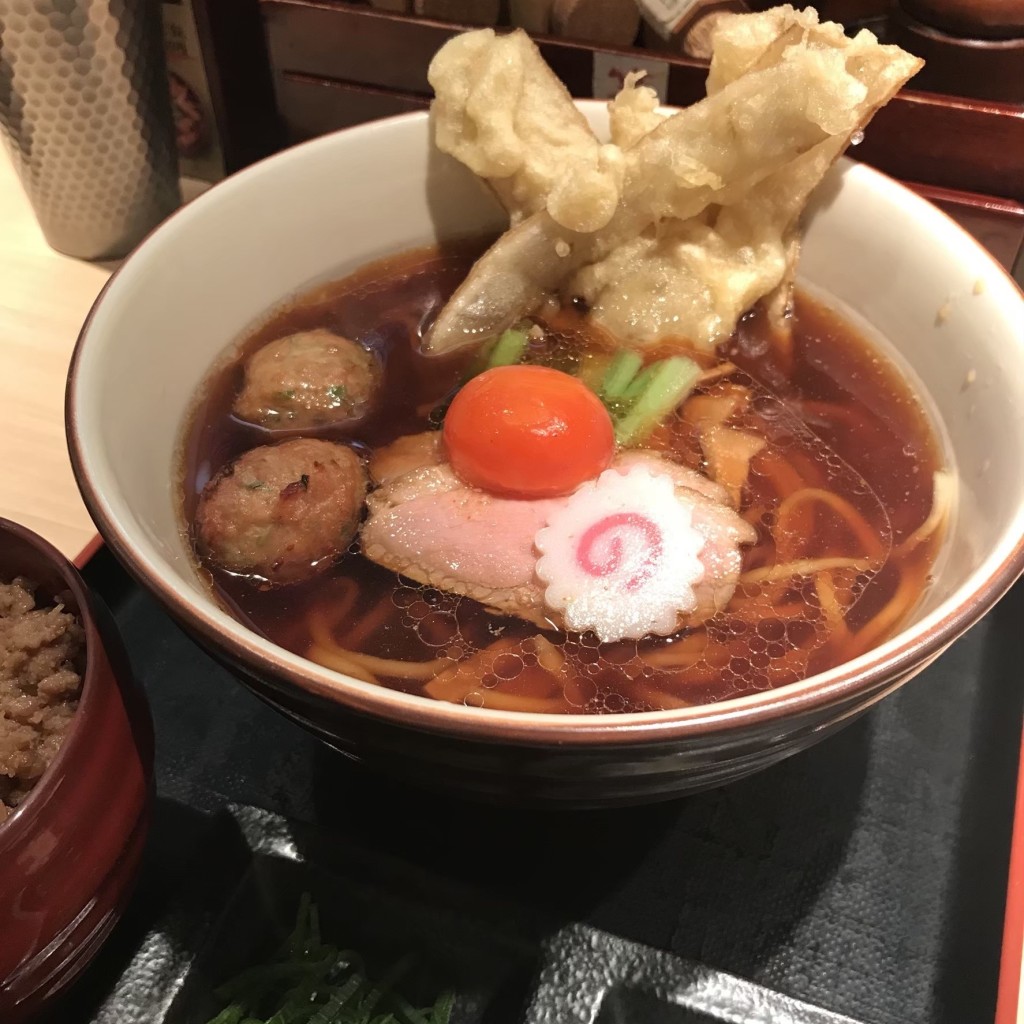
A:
(322, 209)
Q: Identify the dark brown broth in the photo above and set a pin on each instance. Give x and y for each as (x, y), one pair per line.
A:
(839, 387)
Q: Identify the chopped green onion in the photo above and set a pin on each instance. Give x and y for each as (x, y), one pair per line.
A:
(309, 982)
(414, 1016)
(373, 997)
(593, 367)
(621, 372)
(670, 381)
(350, 989)
(509, 347)
(441, 1011)
(298, 940)
(639, 383)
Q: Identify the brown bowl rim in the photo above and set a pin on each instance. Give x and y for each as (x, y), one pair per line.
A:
(27, 809)
(509, 727)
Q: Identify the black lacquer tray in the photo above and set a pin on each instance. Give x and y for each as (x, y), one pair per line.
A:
(864, 879)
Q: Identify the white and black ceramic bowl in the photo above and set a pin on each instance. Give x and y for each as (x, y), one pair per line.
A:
(322, 209)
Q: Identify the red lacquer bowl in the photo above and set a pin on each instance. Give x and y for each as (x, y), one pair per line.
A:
(70, 853)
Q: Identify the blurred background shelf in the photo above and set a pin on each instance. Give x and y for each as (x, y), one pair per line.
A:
(282, 71)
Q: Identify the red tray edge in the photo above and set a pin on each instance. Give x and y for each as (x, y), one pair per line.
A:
(1011, 961)
(82, 559)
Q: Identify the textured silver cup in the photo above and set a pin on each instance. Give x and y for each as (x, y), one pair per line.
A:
(84, 105)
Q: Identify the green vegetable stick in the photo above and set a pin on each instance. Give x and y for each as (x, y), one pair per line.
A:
(509, 348)
(442, 1009)
(673, 379)
(296, 941)
(593, 367)
(640, 382)
(310, 982)
(620, 373)
(328, 1013)
(410, 1015)
(391, 977)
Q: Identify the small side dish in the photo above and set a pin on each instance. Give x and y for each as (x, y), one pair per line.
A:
(76, 760)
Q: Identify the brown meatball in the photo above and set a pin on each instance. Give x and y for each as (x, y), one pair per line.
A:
(283, 512)
(308, 380)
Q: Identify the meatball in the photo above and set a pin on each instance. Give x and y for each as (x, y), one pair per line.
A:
(283, 512)
(308, 380)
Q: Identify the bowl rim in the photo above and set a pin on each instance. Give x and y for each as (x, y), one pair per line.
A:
(34, 804)
(880, 669)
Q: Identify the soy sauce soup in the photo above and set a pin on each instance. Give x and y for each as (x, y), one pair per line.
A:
(841, 497)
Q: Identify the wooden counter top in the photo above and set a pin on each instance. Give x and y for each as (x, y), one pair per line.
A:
(44, 298)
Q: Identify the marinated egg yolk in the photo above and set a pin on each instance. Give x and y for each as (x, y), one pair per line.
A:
(528, 432)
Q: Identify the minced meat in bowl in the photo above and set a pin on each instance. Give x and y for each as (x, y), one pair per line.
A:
(42, 657)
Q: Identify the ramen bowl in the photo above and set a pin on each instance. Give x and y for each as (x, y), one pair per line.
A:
(901, 268)
(72, 848)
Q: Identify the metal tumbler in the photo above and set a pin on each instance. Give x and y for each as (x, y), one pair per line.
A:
(84, 105)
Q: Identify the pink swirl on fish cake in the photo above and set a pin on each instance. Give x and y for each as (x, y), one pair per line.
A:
(621, 557)
(609, 531)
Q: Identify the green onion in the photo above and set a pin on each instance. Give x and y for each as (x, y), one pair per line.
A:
(640, 382)
(592, 370)
(441, 1011)
(349, 990)
(309, 982)
(667, 383)
(637, 397)
(298, 940)
(369, 1001)
(509, 347)
(619, 375)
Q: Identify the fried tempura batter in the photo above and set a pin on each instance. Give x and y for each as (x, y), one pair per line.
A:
(708, 202)
(503, 113)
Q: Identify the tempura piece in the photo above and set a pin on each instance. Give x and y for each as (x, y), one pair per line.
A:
(501, 111)
(710, 196)
(633, 113)
(692, 159)
(694, 279)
